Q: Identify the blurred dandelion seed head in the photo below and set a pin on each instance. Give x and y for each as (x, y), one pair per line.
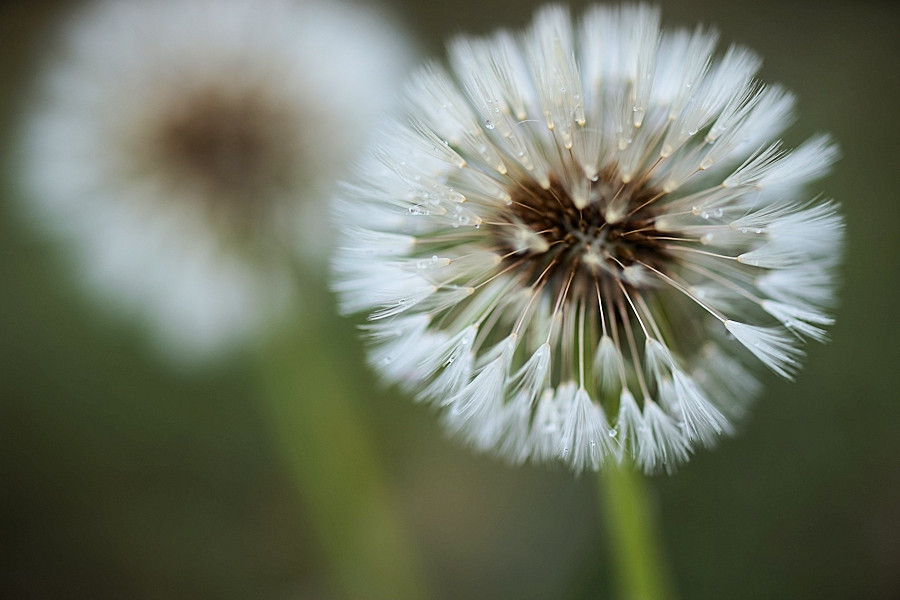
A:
(185, 149)
(231, 149)
(575, 239)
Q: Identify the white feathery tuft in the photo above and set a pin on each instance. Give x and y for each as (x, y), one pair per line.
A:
(549, 420)
(772, 346)
(592, 201)
(629, 426)
(810, 285)
(665, 444)
(798, 319)
(585, 437)
(608, 364)
(476, 412)
(182, 151)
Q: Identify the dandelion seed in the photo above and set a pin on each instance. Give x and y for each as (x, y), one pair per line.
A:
(637, 229)
(183, 150)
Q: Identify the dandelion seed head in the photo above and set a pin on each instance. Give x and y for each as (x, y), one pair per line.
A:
(183, 152)
(609, 196)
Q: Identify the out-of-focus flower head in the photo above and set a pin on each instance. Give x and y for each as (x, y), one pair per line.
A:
(185, 150)
(576, 238)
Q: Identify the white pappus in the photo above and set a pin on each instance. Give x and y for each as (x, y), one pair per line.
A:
(583, 234)
(183, 151)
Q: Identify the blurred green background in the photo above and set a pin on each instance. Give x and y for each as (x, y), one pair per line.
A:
(123, 479)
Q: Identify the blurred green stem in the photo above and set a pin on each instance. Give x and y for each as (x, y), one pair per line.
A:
(309, 391)
(634, 540)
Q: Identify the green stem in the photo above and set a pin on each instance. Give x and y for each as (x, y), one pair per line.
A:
(634, 541)
(334, 465)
